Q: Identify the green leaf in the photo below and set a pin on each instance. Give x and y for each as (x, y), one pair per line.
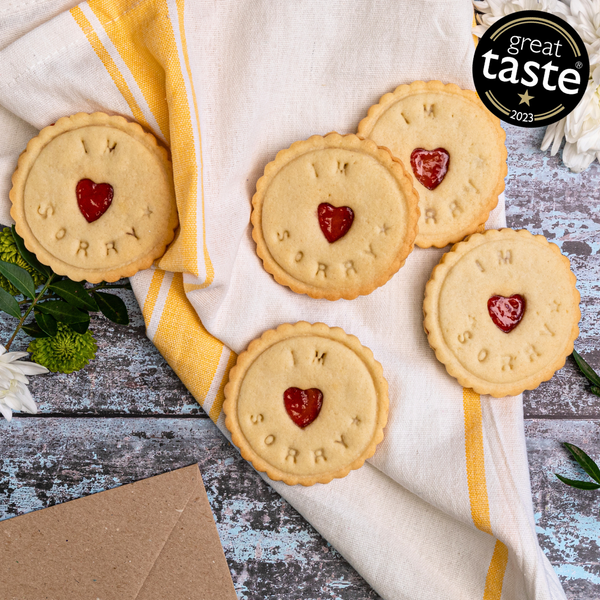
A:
(75, 294)
(112, 308)
(80, 327)
(29, 257)
(19, 277)
(34, 331)
(585, 462)
(62, 312)
(46, 322)
(9, 305)
(582, 485)
(591, 375)
(595, 390)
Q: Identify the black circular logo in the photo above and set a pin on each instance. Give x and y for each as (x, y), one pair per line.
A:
(531, 68)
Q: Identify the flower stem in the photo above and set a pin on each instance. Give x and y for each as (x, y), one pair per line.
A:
(48, 296)
(35, 301)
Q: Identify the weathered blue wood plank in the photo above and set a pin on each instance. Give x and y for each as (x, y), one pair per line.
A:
(544, 197)
(271, 551)
(128, 376)
(270, 548)
(567, 519)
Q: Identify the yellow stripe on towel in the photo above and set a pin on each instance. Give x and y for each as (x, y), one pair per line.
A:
(109, 64)
(480, 508)
(210, 272)
(478, 495)
(126, 27)
(144, 36)
(496, 571)
(190, 350)
(152, 295)
(141, 31)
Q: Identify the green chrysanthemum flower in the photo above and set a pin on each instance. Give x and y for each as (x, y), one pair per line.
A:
(66, 352)
(8, 248)
(10, 254)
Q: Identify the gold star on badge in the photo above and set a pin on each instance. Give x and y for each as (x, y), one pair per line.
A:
(525, 97)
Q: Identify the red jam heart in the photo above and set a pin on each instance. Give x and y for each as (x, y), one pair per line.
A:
(335, 222)
(430, 166)
(506, 313)
(93, 198)
(303, 406)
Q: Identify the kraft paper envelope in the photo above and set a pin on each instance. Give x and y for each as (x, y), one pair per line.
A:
(150, 540)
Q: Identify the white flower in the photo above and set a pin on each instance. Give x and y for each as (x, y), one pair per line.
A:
(492, 10)
(14, 394)
(581, 127)
(584, 17)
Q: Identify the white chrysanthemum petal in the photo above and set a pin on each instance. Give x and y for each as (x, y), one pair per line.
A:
(493, 10)
(18, 376)
(561, 9)
(479, 30)
(25, 391)
(6, 412)
(580, 128)
(590, 141)
(577, 116)
(12, 356)
(28, 405)
(554, 135)
(5, 374)
(23, 368)
(584, 17)
(31, 368)
(575, 161)
(12, 402)
(14, 393)
(559, 136)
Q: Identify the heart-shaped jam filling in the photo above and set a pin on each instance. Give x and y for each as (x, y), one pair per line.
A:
(303, 406)
(506, 313)
(335, 222)
(430, 166)
(93, 199)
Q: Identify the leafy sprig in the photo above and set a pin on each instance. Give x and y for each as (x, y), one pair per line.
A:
(587, 464)
(589, 373)
(584, 461)
(50, 299)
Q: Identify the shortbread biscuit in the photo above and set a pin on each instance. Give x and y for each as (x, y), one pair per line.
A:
(334, 217)
(306, 403)
(455, 148)
(93, 197)
(501, 311)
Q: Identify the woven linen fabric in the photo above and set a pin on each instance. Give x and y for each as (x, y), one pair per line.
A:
(443, 510)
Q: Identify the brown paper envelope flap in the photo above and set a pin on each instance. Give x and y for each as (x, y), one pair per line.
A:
(108, 540)
(192, 565)
(102, 546)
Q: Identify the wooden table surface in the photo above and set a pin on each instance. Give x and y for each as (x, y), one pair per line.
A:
(127, 416)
